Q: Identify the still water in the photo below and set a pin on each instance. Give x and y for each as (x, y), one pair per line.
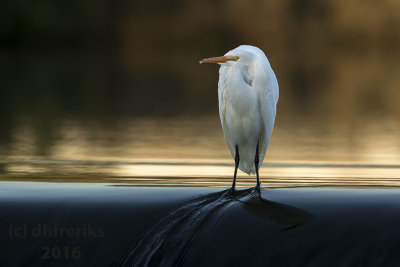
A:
(191, 151)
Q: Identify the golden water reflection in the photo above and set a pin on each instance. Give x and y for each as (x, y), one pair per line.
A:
(192, 152)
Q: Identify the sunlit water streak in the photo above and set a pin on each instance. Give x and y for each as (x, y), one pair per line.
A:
(192, 152)
(218, 174)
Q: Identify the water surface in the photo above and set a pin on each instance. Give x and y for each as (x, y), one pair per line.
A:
(108, 224)
(192, 152)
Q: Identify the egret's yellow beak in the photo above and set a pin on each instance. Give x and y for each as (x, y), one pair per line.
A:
(222, 59)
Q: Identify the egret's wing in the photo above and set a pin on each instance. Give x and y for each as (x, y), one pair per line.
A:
(268, 98)
(222, 85)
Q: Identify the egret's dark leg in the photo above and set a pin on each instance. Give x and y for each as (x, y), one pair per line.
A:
(237, 159)
(256, 162)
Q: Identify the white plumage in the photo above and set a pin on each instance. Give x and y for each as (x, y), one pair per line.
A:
(248, 93)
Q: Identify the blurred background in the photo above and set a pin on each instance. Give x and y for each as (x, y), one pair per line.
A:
(120, 80)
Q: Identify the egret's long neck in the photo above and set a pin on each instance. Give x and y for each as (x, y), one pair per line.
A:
(241, 95)
(240, 102)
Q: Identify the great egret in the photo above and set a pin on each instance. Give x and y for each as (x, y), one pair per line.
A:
(247, 93)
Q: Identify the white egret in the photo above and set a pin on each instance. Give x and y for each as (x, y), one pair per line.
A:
(247, 93)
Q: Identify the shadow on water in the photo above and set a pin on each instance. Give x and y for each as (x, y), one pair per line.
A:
(169, 241)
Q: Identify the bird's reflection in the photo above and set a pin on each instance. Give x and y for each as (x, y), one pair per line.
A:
(166, 242)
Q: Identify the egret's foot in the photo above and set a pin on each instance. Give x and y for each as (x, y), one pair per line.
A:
(258, 187)
(231, 192)
(233, 184)
(257, 190)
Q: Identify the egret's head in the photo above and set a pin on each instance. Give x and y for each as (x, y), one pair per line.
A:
(246, 62)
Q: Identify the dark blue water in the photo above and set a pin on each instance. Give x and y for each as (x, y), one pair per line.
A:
(97, 224)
